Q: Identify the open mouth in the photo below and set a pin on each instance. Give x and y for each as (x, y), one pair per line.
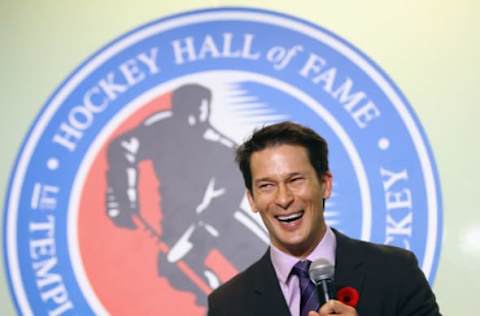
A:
(290, 218)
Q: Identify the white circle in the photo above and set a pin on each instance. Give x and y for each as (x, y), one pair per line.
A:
(53, 164)
(383, 143)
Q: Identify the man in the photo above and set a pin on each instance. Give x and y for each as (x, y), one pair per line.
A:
(285, 169)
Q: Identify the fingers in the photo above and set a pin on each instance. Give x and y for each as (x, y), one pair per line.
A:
(334, 307)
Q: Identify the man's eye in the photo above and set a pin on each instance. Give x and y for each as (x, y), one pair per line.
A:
(297, 179)
(265, 186)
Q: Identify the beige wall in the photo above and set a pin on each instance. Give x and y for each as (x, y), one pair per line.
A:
(429, 48)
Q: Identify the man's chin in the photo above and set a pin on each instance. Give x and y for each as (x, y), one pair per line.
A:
(294, 247)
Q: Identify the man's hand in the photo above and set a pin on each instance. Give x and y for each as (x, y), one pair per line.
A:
(334, 307)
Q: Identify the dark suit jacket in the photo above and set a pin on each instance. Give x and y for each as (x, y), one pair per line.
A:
(387, 278)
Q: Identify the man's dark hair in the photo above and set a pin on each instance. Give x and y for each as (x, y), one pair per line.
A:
(285, 133)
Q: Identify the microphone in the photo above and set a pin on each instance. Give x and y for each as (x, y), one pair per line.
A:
(321, 273)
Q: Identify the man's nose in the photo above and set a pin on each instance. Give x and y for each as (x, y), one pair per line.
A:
(284, 197)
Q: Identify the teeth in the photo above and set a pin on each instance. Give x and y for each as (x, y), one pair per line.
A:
(290, 217)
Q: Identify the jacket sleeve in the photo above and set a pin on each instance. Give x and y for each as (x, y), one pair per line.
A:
(416, 298)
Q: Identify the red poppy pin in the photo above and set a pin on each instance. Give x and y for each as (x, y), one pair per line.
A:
(349, 296)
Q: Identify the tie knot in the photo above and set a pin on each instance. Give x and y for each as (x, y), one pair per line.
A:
(301, 268)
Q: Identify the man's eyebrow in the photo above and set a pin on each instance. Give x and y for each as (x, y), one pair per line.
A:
(296, 173)
(288, 176)
(264, 179)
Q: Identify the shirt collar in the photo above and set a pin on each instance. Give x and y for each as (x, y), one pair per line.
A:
(283, 262)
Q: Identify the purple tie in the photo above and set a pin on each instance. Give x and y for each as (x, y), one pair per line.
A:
(308, 293)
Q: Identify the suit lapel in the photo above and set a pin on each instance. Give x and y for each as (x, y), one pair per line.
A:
(267, 295)
(349, 262)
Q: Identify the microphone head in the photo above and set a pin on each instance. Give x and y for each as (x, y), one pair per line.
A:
(321, 269)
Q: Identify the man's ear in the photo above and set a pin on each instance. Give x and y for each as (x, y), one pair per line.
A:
(251, 201)
(327, 184)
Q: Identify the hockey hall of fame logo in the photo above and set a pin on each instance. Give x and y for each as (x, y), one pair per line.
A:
(125, 198)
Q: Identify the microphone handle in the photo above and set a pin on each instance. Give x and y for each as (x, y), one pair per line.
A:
(325, 291)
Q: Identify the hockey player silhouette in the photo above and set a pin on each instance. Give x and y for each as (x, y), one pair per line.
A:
(200, 190)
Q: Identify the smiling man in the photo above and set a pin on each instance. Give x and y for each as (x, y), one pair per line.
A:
(286, 173)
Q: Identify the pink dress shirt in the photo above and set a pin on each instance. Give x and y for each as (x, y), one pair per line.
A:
(283, 264)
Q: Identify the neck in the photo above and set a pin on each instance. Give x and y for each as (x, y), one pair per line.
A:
(303, 251)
